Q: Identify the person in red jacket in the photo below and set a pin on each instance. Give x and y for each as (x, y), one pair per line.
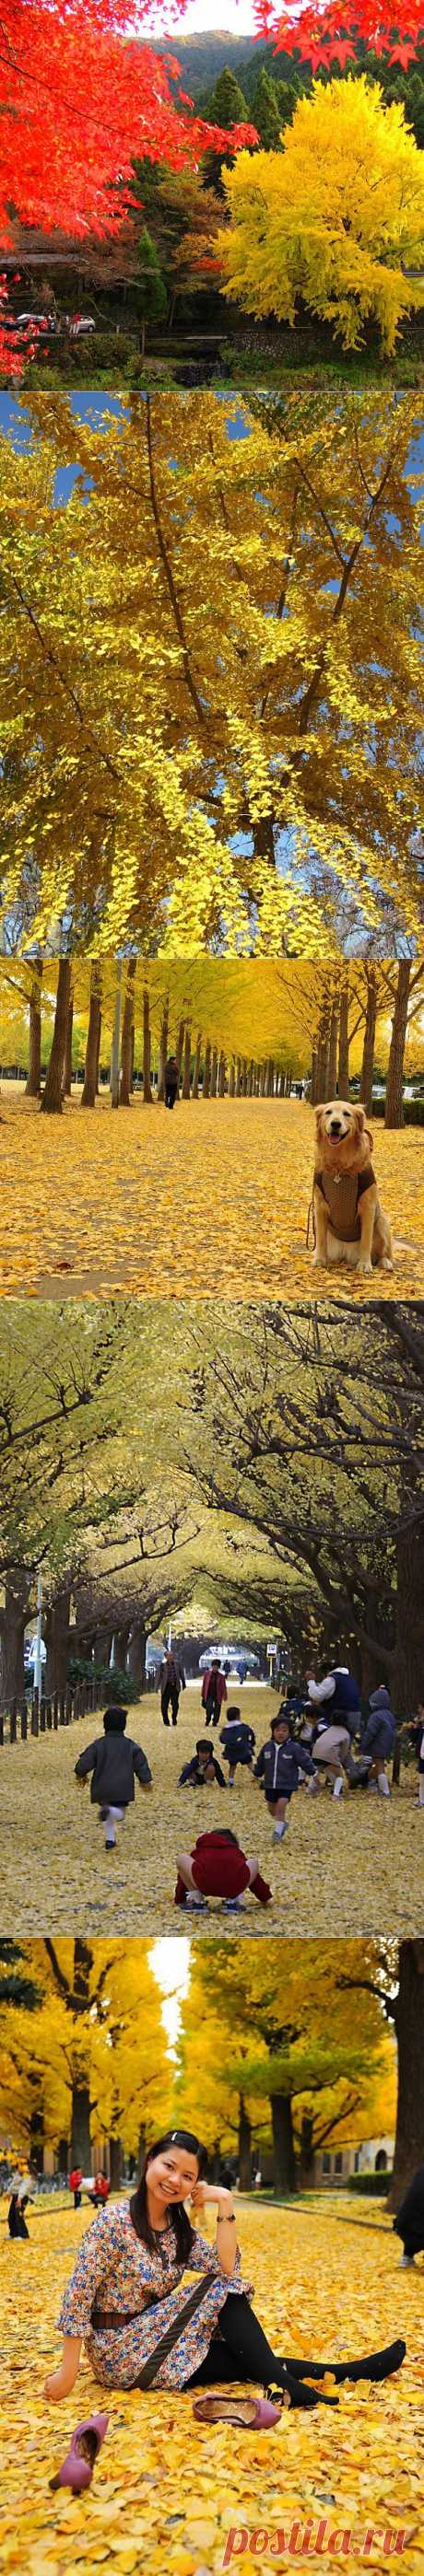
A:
(214, 1691)
(101, 2189)
(75, 2180)
(218, 1867)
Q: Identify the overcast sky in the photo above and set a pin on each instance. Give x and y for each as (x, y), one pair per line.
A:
(233, 17)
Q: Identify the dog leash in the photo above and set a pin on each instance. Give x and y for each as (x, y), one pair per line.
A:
(311, 1213)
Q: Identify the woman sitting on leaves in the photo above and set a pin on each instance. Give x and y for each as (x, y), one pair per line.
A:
(144, 2327)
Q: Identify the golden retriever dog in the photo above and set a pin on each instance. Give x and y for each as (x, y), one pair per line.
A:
(348, 1219)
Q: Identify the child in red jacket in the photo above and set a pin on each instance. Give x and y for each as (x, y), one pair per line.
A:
(218, 1867)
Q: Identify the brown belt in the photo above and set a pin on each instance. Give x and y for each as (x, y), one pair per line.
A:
(103, 2317)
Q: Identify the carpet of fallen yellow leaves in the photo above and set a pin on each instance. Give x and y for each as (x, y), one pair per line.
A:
(211, 1200)
(167, 2490)
(354, 1863)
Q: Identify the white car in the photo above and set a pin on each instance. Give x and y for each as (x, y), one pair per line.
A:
(44, 323)
(81, 322)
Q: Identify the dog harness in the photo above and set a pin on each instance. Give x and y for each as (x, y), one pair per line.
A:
(342, 1192)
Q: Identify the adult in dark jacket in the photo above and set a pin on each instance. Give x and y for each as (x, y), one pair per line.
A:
(279, 1764)
(214, 1691)
(238, 1741)
(20, 2192)
(336, 1705)
(115, 1762)
(409, 2223)
(172, 1680)
(172, 1081)
(204, 1770)
(377, 1742)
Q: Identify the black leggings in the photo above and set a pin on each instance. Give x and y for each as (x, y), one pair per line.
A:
(246, 2354)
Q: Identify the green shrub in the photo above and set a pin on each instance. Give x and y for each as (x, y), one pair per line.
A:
(374, 2185)
(413, 1112)
(115, 1685)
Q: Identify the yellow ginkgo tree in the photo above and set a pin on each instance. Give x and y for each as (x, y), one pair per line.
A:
(336, 216)
(210, 687)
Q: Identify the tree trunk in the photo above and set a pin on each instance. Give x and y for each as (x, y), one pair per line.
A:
(306, 2150)
(314, 1078)
(406, 1672)
(232, 1079)
(221, 1076)
(102, 1647)
(263, 838)
(244, 2147)
(53, 1087)
(179, 1046)
(120, 1646)
(127, 1039)
(323, 1045)
(67, 1069)
(12, 1629)
(238, 1078)
(33, 1085)
(394, 1091)
(80, 2128)
(196, 1072)
(91, 1069)
(344, 1039)
(207, 1072)
(409, 2026)
(282, 2132)
(332, 1050)
(187, 1065)
(214, 1072)
(163, 1049)
(57, 1643)
(137, 1656)
(147, 1087)
(367, 1074)
(115, 2163)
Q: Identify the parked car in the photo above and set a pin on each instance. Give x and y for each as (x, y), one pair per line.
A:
(80, 323)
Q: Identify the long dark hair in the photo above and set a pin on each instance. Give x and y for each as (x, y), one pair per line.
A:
(183, 2231)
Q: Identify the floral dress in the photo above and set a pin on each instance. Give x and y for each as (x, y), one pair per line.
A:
(141, 2321)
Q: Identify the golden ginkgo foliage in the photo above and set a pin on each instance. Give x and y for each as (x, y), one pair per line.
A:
(211, 673)
(167, 2490)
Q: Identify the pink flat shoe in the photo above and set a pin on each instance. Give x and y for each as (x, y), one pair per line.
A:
(77, 2469)
(255, 2412)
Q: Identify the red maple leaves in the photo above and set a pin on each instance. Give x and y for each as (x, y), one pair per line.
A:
(331, 33)
(79, 100)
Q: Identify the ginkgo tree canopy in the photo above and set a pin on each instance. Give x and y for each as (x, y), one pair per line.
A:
(335, 217)
(211, 674)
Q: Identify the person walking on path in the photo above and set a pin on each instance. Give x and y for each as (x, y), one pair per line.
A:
(279, 1765)
(172, 1680)
(214, 1692)
(337, 1702)
(238, 1742)
(143, 2327)
(218, 1867)
(20, 2190)
(172, 1082)
(377, 1742)
(115, 1762)
(409, 2223)
(204, 1769)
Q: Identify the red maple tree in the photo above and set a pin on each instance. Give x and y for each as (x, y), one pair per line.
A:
(331, 33)
(79, 100)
